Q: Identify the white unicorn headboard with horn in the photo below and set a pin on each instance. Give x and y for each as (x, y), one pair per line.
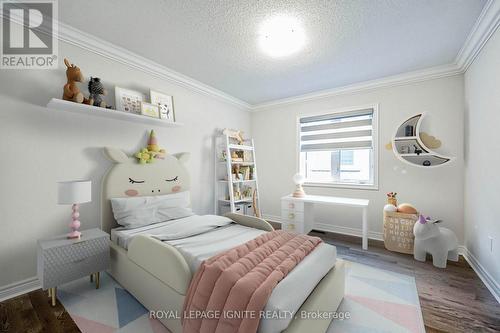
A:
(128, 178)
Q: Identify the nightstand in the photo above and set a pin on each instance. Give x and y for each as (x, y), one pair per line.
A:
(62, 260)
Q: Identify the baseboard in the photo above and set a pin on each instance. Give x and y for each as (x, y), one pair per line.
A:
(348, 231)
(483, 274)
(19, 288)
(333, 228)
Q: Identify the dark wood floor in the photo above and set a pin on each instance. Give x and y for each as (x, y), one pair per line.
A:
(32, 313)
(452, 299)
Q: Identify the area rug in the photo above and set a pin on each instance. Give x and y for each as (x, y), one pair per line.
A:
(376, 301)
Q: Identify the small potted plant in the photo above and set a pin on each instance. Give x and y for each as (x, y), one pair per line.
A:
(391, 198)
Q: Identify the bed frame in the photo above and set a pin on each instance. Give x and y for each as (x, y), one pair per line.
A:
(163, 287)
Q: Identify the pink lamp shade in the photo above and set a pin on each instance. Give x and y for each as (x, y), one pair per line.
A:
(74, 193)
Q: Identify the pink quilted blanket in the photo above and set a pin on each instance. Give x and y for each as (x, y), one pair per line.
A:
(229, 291)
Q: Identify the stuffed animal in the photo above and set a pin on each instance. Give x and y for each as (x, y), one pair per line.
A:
(71, 91)
(96, 89)
(407, 209)
(440, 242)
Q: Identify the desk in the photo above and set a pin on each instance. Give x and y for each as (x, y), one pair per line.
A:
(297, 214)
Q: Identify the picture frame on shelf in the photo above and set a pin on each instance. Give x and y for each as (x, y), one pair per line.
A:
(128, 100)
(150, 110)
(165, 105)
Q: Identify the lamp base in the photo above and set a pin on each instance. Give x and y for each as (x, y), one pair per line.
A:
(74, 235)
(299, 192)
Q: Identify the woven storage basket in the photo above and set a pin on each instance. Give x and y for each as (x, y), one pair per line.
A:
(398, 231)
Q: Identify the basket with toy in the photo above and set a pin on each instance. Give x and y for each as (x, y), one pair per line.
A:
(398, 227)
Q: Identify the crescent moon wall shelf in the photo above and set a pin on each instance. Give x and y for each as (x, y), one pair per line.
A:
(409, 148)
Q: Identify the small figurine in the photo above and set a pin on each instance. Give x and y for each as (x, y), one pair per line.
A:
(418, 151)
(71, 91)
(234, 134)
(96, 89)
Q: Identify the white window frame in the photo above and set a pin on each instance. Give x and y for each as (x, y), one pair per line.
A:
(375, 138)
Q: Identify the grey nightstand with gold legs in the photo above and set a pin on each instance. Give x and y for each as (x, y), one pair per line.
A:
(61, 260)
(52, 295)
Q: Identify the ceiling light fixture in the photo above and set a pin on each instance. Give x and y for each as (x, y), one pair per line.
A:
(281, 36)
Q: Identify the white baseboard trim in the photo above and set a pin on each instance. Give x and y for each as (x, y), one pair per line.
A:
(347, 231)
(19, 288)
(333, 228)
(490, 283)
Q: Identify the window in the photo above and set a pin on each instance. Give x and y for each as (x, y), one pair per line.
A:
(339, 149)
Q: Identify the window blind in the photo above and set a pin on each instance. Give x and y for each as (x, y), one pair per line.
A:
(346, 130)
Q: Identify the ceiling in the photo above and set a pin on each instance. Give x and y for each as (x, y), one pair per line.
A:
(216, 42)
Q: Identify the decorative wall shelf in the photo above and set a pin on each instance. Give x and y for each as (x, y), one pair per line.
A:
(417, 153)
(59, 104)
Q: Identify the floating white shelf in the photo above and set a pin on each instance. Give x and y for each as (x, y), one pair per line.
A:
(427, 158)
(62, 105)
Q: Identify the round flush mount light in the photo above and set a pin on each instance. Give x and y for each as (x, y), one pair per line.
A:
(281, 36)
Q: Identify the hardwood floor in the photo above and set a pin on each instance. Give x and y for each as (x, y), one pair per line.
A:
(32, 313)
(452, 299)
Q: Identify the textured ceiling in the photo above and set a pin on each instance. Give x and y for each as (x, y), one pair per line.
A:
(215, 42)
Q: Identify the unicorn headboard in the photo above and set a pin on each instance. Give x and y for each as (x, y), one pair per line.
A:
(128, 178)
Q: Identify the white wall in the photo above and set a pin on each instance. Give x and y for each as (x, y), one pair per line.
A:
(437, 192)
(482, 158)
(39, 147)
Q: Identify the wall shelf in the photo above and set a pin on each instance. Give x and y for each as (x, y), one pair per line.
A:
(427, 158)
(62, 105)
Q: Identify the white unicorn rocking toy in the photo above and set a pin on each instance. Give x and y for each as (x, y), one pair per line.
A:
(440, 242)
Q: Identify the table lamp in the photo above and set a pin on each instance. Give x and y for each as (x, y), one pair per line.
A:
(74, 193)
(298, 179)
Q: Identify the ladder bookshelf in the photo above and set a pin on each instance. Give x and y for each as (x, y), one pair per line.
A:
(236, 185)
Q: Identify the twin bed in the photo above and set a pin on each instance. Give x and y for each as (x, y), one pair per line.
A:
(156, 262)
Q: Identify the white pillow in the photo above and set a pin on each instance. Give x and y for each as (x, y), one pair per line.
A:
(141, 211)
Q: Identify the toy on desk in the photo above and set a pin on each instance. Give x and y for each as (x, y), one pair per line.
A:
(298, 179)
(71, 91)
(440, 242)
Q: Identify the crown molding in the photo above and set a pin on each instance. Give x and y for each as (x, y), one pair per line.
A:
(94, 44)
(394, 80)
(485, 26)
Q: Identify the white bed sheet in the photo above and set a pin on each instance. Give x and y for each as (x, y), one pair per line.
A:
(195, 249)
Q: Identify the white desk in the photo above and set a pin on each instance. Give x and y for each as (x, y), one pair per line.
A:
(297, 214)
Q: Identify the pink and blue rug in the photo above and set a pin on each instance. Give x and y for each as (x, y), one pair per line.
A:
(377, 301)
